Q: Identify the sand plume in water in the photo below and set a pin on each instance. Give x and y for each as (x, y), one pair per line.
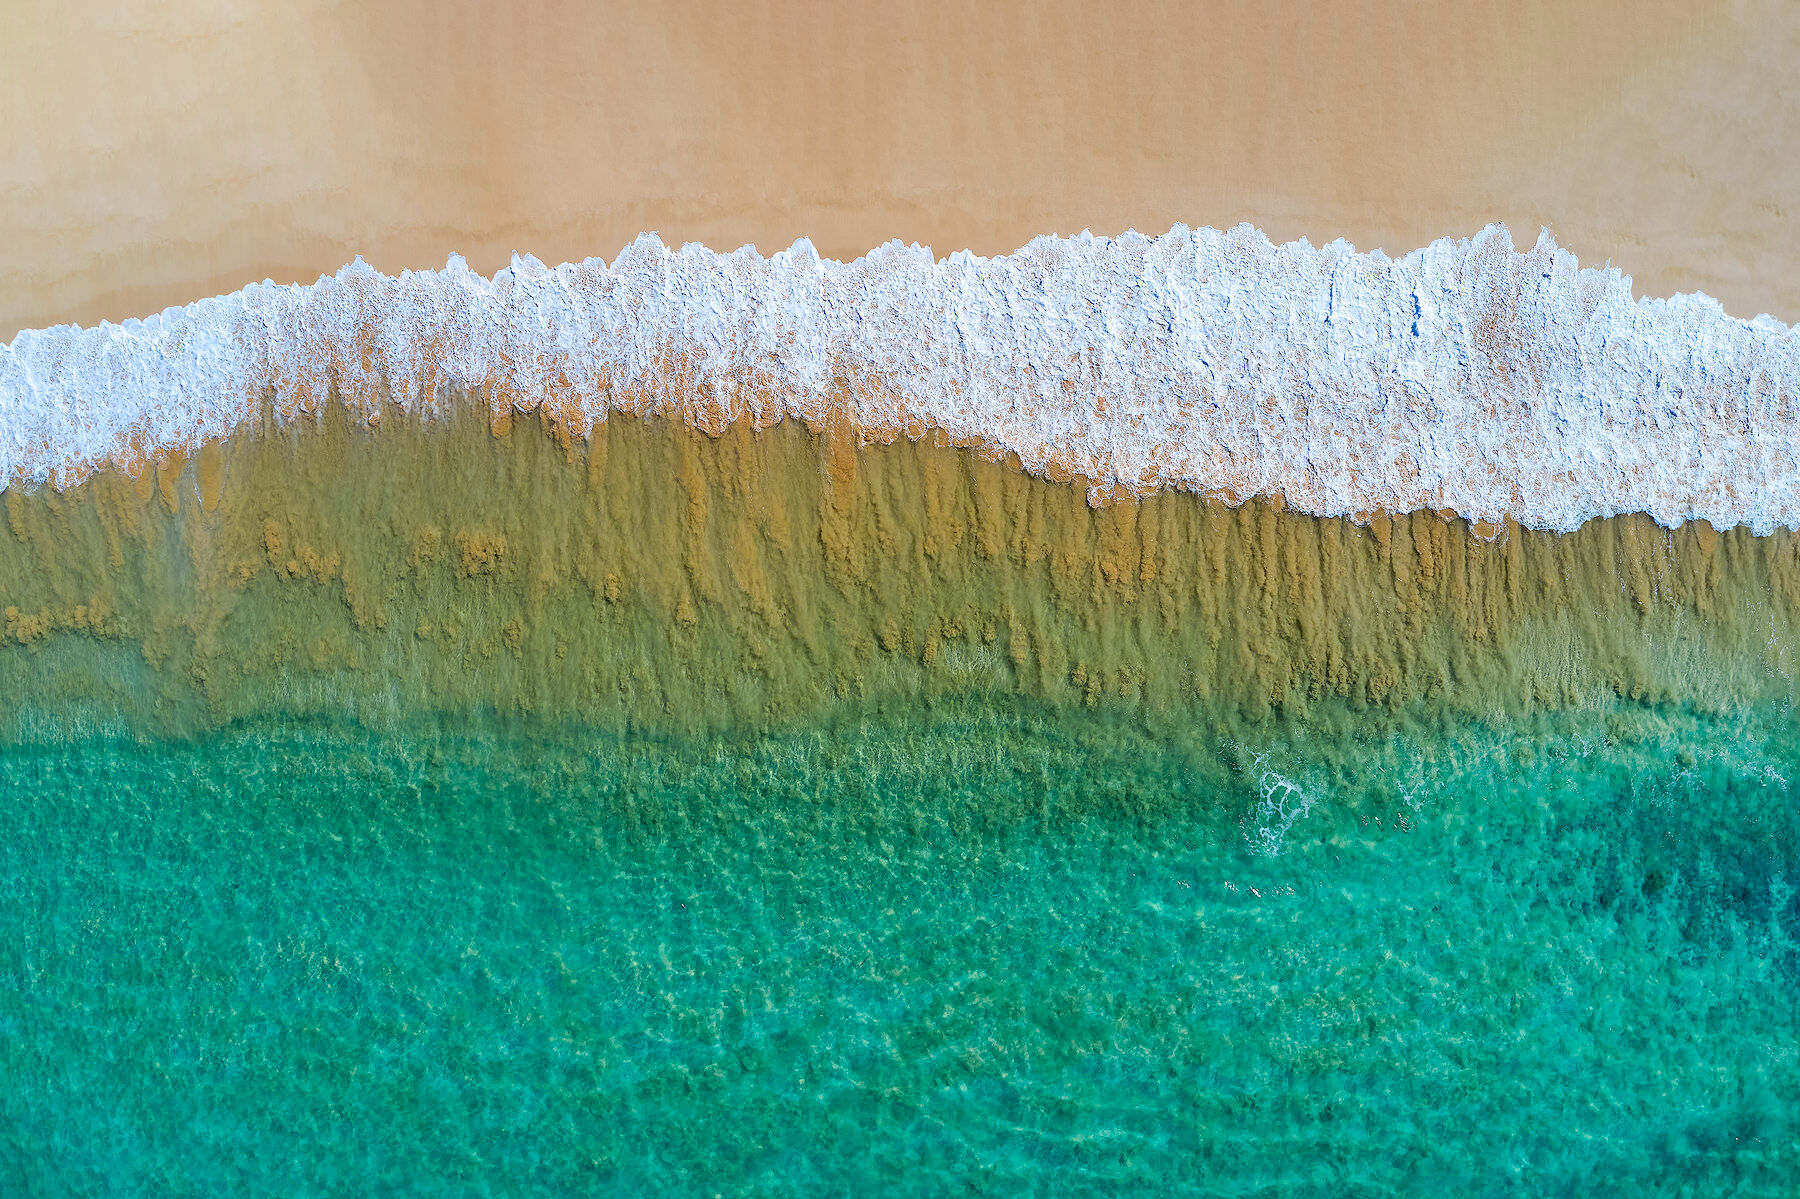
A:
(659, 577)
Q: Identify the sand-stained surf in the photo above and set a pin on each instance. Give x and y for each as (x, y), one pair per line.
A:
(656, 576)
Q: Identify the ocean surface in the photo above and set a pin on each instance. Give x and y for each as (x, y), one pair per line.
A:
(1141, 716)
(983, 951)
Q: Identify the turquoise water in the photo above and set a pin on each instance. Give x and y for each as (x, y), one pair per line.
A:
(980, 953)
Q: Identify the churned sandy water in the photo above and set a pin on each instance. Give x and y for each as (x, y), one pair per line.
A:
(657, 576)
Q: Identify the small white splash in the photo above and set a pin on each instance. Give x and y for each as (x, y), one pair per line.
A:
(1464, 376)
(1281, 804)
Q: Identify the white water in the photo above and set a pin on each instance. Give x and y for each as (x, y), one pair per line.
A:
(1464, 376)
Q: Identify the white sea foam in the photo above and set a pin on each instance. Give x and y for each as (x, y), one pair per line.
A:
(1463, 376)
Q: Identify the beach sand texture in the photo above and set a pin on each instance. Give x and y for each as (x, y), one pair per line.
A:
(156, 154)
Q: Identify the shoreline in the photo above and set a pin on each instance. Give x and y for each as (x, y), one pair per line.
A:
(1466, 376)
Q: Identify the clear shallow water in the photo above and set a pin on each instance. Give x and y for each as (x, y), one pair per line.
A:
(983, 953)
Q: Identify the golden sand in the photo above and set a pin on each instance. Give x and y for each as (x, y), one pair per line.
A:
(659, 578)
(156, 154)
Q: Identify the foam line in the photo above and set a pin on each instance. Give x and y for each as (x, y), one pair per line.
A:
(1465, 376)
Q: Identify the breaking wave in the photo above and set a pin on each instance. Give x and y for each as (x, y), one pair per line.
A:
(1465, 376)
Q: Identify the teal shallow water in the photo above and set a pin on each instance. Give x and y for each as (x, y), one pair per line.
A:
(975, 953)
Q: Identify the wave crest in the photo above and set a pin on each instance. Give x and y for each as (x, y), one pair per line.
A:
(1464, 376)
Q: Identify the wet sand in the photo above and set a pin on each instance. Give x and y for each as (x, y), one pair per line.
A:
(157, 156)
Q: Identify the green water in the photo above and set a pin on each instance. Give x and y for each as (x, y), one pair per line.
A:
(969, 953)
